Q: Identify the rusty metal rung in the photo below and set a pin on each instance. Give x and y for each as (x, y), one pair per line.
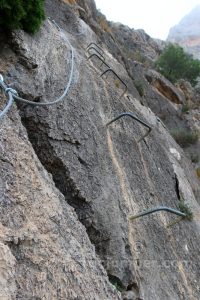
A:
(103, 62)
(159, 208)
(94, 44)
(97, 51)
(128, 114)
(112, 71)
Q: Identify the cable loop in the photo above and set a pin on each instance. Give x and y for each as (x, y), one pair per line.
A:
(8, 89)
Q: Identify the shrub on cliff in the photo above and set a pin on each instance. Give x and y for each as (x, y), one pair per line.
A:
(184, 137)
(21, 14)
(174, 64)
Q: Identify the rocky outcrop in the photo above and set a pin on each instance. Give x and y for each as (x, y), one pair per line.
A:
(187, 33)
(136, 44)
(72, 181)
(165, 87)
(44, 251)
(123, 42)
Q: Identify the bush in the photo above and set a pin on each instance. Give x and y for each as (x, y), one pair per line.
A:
(194, 157)
(186, 209)
(104, 24)
(186, 107)
(175, 64)
(185, 138)
(117, 83)
(117, 283)
(140, 87)
(138, 56)
(21, 14)
(198, 172)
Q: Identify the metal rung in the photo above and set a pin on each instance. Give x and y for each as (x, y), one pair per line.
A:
(103, 62)
(128, 114)
(111, 70)
(94, 44)
(93, 48)
(160, 208)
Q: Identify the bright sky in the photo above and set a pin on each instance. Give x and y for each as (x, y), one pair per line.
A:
(156, 17)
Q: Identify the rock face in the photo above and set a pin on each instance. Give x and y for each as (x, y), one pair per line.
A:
(187, 33)
(136, 43)
(122, 41)
(44, 251)
(69, 183)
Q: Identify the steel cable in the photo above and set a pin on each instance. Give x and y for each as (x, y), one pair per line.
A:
(12, 94)
(9, 92)
(8, 105)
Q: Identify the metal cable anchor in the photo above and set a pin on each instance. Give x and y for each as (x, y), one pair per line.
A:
(8, 89)
(9, 92)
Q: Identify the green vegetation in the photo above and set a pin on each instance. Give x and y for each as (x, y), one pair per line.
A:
(116, 283)
(184, 137)
(194, 157)
(117, 83)
(185, 208)
(174, 64)
(198, 172)
(137, 55)
(140, 87)
(104, 24)
(186, 107)
(21, 14)
(140, 57)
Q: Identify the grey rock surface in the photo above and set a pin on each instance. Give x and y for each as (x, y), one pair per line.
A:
(102, 172)
(157, 93)
(136, 44)
(45, 252)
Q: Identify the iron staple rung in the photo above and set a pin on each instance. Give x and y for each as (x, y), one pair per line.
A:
(156, 209)
(109, 69)
(100, 49)
(103, 62)
(112, 71)
(88, 50)
(128, 114)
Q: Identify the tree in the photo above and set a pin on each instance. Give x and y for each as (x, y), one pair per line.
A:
(174, 64)
(21, 14)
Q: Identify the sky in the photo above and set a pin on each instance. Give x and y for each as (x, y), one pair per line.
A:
(156, 17)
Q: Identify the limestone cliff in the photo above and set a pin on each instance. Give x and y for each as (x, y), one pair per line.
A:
(69, 183)
(187, 33)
